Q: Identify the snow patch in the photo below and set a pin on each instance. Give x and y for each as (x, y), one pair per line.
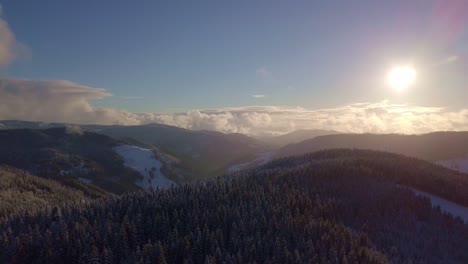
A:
(460, 165)
(84, 180)
(261, 159)
(143, 161)
(445, 205)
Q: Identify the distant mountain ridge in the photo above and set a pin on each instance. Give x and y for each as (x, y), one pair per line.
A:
(436, 146)
(297, 136)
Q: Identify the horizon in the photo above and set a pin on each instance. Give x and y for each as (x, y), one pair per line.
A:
(256, 136)
(253, 68)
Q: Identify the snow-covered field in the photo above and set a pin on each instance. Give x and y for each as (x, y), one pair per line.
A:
(455, 164)
(445, 205)
(144, 161)
(260, 159)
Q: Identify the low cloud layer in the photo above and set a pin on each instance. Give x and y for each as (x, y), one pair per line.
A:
(382, 117)
(63, 101)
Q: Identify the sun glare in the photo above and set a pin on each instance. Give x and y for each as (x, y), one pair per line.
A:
(401, 77)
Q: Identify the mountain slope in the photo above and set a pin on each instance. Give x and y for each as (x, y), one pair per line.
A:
(339, 206)
(22, 192)
(69, 156)
(436, 146)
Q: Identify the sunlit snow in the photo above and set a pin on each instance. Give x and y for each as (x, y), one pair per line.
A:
(144, 161)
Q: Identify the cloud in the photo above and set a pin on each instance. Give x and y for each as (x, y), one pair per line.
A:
(381, 117)
(451, 59)
(448, 60)
(257, 96)
(64, 101)
(7, 43)
(10, 48)
(56, 101)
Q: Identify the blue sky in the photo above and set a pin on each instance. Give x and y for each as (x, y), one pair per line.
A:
(169, 56)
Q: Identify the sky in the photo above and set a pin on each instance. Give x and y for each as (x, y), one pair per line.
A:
(255, 67)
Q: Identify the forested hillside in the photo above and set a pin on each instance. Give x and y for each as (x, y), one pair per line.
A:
(22, 192)
(72, 157)
(400, 170)
(338, 206)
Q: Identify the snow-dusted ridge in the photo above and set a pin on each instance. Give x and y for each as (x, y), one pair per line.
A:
(446, 206)
(460, 165)
(144, 161)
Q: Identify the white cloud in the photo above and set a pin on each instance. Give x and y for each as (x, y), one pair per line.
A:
(451, 59)
(257, 96)
(63, 101)
(7, 43)
(56, 101)
(10, 48)
(381, 117)
(448, 60)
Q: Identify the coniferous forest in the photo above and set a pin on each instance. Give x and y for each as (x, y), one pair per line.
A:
(337, 206)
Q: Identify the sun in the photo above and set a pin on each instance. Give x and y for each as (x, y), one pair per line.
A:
(401, 77)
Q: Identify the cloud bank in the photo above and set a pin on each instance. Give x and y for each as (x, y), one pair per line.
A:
(64, 101)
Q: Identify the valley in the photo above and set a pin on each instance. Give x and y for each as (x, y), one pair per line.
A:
(73, 174)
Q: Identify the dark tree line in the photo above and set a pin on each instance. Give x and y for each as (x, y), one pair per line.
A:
(329, 207)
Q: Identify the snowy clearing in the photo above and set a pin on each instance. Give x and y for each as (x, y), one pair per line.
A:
(260, 159)
(144, 161)
(445, 205)
(460, 165)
